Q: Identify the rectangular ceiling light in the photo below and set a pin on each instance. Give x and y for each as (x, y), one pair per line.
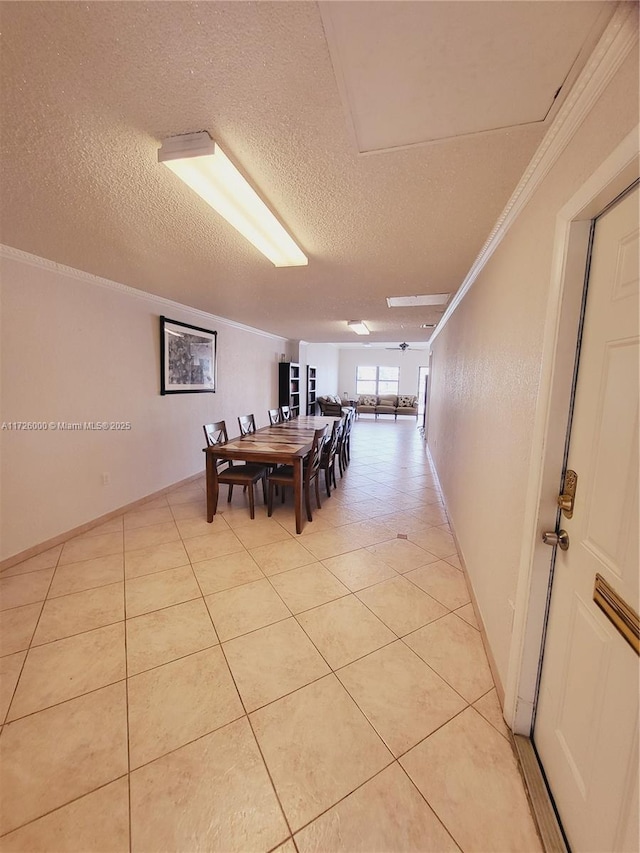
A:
(416, 301)
(197, 160)
(358, 327)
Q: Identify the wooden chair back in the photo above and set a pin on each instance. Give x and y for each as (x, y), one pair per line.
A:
(312, 464)
(215, 433)
(247, 424)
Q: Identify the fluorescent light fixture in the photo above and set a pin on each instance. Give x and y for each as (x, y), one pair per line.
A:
(358, 327)
(416, 301)
(202, 165)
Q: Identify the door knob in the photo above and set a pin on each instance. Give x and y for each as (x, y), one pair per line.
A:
(561, 539)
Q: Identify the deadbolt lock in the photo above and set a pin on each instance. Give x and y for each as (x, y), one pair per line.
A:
(565, 502)
(567, 499)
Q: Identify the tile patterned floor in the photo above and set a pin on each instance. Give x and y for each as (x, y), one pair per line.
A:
(171, 685)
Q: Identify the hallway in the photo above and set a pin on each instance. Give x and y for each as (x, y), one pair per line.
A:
(169, 685)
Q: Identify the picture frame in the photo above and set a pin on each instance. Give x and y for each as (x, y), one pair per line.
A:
(187, 358)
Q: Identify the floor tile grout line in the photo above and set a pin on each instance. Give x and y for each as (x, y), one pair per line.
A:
(64, 805)
(3, 720)
(354, 591)
(347, 795)
(4, 576)
(88, 589)
(254, 630)
(204, 601)
(437, 816)
(158, 571)
(373, 613)
(81, 591)
(271, 780)
(77, 633)
(297, 689)
(363, 712)
(278, 846)
(380, 735)
(473, 705)
(28, 650)
(373, 545)
(166, 606)
(281, 598)
(430, 594)
(193, 740)
(246, 714)
(126, 697)
(360, 657)
(64, 701)
(446, 681)
(180, 657)
(87, 559)
(470, 705)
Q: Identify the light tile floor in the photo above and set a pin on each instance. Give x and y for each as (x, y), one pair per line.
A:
(172, 685)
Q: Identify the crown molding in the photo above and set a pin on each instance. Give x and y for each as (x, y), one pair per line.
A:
(619, 37)
(88, 278)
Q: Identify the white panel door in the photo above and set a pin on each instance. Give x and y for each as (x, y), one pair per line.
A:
(586, 729)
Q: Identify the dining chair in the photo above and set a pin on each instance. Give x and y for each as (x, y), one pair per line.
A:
(247, 424)
(344, 443)
(274, 416)
(285, 413)
(283, 476)
(328, 456)
(236, 474)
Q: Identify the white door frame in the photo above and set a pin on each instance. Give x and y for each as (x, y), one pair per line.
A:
(571, 244)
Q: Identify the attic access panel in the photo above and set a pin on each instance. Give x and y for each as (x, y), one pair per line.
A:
(412, 73)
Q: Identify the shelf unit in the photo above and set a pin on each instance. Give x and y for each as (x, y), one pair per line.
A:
(311, 390)
(289, 386)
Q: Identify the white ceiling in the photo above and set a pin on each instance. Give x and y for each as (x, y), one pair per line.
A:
(450, 100)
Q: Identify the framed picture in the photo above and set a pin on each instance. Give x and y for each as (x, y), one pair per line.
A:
(187, 358)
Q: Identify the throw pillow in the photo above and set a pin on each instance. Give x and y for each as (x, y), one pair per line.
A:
(367, 400)
(406, 401)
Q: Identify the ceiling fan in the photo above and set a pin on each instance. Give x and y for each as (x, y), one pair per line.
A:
(404, 346)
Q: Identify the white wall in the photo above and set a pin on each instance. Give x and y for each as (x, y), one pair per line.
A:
(486, 366)
(408, 362)
(75, 350)
(325, 358)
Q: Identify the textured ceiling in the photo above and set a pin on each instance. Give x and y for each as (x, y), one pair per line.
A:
(89, 90)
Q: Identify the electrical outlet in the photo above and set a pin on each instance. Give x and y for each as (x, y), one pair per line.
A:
(106, 479)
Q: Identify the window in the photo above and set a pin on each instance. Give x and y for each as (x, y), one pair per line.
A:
(377, 380)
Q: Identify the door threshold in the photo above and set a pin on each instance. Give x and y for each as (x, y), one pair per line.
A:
(549, 828)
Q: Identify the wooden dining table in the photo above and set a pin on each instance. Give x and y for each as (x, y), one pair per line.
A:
(281, 444)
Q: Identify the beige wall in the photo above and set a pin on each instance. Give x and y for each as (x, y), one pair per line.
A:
(486, 370)
(73, 350)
